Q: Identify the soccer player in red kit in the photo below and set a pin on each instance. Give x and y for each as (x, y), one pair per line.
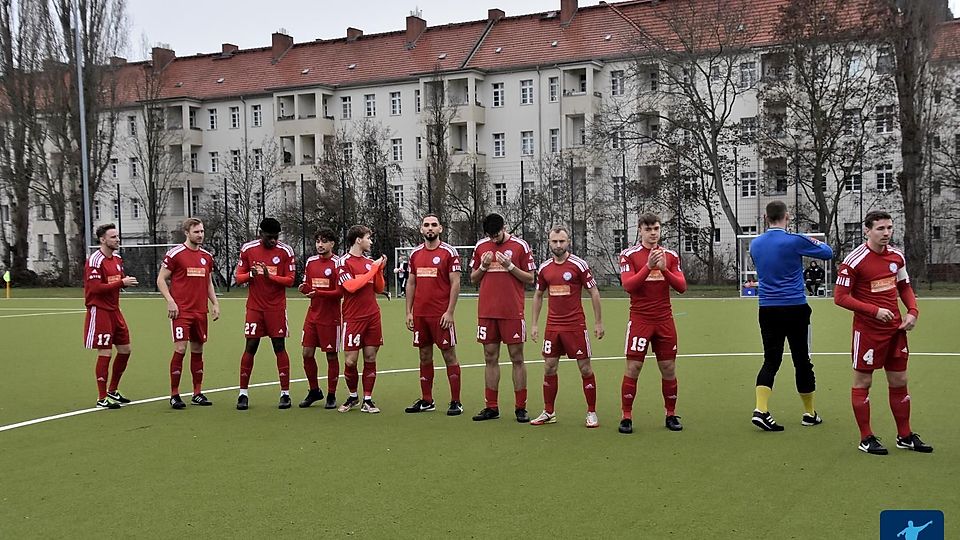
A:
(562, 278)
(868, 283)
(185, 280)
(647, 272)
(362, 280)
(105, 327)
(502, 265)
(321, 327)
(433, 286)
(269, 266)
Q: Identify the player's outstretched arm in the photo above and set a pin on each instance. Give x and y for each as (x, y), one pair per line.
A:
(355, 284)
(811, 247)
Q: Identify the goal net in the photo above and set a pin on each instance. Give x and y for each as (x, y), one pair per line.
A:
(142, 261)
(466, 255)
(747, 272)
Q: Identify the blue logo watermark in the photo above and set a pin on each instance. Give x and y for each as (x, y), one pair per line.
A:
(911, 525)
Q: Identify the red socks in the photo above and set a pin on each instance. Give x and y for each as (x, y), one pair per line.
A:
(176, 369)
(333, 372)
(669, 389)
(590, 392)
(283, 369)
(628, 392)
(119, 366)
(860, 398)
(369, 378)
(310, 370)
(490, 397)
(426, 381)
(352, 377)
(453, 376)
(246, 369)
(900, 406)
(550, 387)
(196, 370)
(102, 371)
(520, 398)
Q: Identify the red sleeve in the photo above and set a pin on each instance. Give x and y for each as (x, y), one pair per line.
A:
(243, 269)
(527, 259)
(379, 284)
(289, 273)
(843, 298)
(353, 285)
(95, 284)
(632, 279)
(675, 277)
(908, 297)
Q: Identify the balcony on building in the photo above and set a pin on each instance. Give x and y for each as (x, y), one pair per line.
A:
(178, 116)
(288, 151)
(463, 99)
(308, 150)
(303, 112)
(579, 94)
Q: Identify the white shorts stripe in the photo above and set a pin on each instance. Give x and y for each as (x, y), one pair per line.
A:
(586, 337)
(523, 329)
(626, 339)
(453, 335)
(856, 347)
(91, 326)
(343, 335)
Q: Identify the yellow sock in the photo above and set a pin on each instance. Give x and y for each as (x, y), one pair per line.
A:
(763, 396)
(808, 403)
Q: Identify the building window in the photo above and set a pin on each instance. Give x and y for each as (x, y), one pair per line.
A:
(116, 208)
(852, 233)
(554, 140)
(235, 160)
(192, 118)
(691, 240)
(194, 162)
(851, 122)
(346, 108)
(237, 204)
(619, 184)
(114, 168)
(937, 232)
(619, 239)
(715, 74)
(852, 178)
(397, 147)
(416, 100)
(96, 209)
(748, 74)
(956, 235)
(499, 148)
(5, 213)
(257, 115)
(347, 149)
(258, 159)
(617, 140)
(213, 118)
(883, 115)
(132, 126)
(498, 94)
(134, 167)
(419, 148)
(554, 85)
(654, 80)
(370, 105)
(748, 130)
(528, 191)
(885, 177)
(526, 143)
(395, 103)
(42, 248)
(214, 162)
(779, 181)
(616, 83)
(398, 195)
(500, 194)
(234, 117)
(748, 184)
(526, 92)
(582, 85)
(885, 60)
(135, 208)
(716, 236)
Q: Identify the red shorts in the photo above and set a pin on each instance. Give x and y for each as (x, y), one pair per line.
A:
(509, 331)
(361, 333)
(260, 324)
(662, 336)
(873, 351)
(325, 337)
(427, 332)
(572, 343)
(190, 327)
(103, 329)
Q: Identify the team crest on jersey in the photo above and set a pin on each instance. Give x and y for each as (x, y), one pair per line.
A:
(203, 261)
(893, 267)
(567, 276)
(436, 260)
(367, 266)
(327, 272)
(508, 253)
(276, 260)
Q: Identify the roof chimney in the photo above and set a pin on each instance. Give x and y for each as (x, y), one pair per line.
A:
(494, 15)
(568, 8)
(161, 57)
(353, 33)
(117, 61)
(415, 27)
(281, 44)
(228, 48)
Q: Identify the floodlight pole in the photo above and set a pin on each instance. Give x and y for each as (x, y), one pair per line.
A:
(84, 165)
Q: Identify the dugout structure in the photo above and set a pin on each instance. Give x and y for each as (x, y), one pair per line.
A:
(466, 256)
(746, 271)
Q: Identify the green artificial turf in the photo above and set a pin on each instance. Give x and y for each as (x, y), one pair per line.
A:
(148, 471)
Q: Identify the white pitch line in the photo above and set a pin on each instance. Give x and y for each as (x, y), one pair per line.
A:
(74, 312)
(36, 308)
(26, 423)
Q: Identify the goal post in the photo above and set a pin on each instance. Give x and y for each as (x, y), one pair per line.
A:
(748, 280)
(466, 255)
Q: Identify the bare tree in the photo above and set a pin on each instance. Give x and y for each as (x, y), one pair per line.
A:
(440, 108)
(468, 198)
(253, 181)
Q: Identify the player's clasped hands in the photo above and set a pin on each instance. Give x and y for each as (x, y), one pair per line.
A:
(486, 259)
(656, 260)
(503, 259)
(130, 281)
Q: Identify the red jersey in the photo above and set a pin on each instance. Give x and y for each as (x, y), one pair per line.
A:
(265, 294)
(867, 281)
(650, 301)
(190, 274)
(103, 279)
(363, 303)
(563, 283)
(432, 269)
(320, 275)
(501, 294)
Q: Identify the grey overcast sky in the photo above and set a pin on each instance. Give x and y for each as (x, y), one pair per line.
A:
(201, 26)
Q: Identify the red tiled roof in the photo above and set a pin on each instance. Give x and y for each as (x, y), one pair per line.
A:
(947, 46)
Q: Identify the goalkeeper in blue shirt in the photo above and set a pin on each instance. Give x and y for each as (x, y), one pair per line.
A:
(784, 313)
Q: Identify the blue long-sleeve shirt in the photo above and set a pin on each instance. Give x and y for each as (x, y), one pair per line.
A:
(778, 256)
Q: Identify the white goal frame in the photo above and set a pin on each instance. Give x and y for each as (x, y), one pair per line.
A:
(466, 255)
